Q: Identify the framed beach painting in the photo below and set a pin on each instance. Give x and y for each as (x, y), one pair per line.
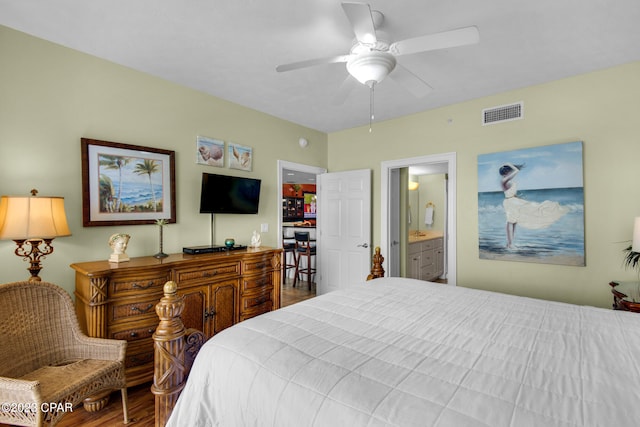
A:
(209, 151)
(240, 157)
(531, 205)
(126, 184)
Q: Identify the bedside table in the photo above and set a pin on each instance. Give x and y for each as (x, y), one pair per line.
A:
(626, 296)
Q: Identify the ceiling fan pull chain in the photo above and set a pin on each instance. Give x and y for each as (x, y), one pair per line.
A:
(371, 96)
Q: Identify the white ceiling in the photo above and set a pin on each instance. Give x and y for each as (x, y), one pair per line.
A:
(290, 176)
(230, 48)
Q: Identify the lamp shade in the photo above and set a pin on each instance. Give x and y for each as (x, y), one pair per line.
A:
(373, 66)
(23, 218)
(635, 246)
(413, 182)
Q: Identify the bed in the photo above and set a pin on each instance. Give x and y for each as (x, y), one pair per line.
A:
(401, 352)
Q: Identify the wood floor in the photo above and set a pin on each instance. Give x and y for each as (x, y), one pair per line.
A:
(290, 295)
(141, 411)
(141, 400)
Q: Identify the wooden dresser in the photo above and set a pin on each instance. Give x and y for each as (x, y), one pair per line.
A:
(118, 300)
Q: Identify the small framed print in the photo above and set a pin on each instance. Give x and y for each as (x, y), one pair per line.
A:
(240, 157)
(209, 151)
(126, 184)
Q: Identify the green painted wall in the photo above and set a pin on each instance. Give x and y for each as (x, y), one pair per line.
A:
(51, 96)
(599, 108)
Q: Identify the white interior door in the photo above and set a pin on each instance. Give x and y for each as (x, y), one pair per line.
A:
(344, 235)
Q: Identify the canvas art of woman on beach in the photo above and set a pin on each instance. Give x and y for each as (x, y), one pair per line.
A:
(536, 194)
(528, 214)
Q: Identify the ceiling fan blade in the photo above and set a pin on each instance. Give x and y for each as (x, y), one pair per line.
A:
(443, 40)
(359, 14)
(312, 62)
(410, 81)
(345, 90)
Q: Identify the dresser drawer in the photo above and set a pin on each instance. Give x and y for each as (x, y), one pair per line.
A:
(134, 333)
(431, 244)
(256, 265)
(264, 308)
(251, 284)
(255, 306)
(428, 258)
(207, 272)
(257, 300)
(140, 283)
(132, 309)
(414, 248)
(139, 353)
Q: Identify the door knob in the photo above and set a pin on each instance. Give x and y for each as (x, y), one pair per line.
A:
(364, 245)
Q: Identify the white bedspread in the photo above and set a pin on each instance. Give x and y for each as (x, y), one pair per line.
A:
(397, 352)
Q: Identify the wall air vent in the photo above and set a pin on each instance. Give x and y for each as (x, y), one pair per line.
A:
(502, 113)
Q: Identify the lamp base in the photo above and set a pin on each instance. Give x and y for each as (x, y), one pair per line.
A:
(33, 254)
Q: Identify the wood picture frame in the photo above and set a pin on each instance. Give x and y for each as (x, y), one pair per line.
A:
(124, 184)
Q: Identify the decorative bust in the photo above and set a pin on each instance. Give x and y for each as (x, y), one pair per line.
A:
(256, 240)
(118, 243)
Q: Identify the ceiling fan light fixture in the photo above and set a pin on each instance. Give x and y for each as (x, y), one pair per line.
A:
(371, 67)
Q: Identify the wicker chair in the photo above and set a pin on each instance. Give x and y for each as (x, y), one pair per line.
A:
(48, 365)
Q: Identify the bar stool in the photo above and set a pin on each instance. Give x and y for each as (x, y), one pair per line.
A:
(288, 248)
(304, 248)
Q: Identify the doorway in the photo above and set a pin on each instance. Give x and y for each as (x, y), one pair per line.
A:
(391, 221)
(294, 175)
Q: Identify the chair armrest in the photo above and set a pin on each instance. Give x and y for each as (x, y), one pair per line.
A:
(86, 347)
(13, 390)
(21, 402)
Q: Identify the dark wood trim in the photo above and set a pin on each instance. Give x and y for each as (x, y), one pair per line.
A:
(86, 191)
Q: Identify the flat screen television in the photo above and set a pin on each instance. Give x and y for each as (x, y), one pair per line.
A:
(229, 194)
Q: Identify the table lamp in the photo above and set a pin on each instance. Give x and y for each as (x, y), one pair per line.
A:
(33, 222)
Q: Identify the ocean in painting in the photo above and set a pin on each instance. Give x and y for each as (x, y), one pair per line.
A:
(138, 193)
(560, 243)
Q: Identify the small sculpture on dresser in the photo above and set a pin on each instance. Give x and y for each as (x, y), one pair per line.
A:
(118, 243)
(256, 240)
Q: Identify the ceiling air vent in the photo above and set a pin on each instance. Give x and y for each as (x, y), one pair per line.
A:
(502, 113)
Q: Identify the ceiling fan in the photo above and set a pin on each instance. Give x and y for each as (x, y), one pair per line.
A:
(373, 57)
